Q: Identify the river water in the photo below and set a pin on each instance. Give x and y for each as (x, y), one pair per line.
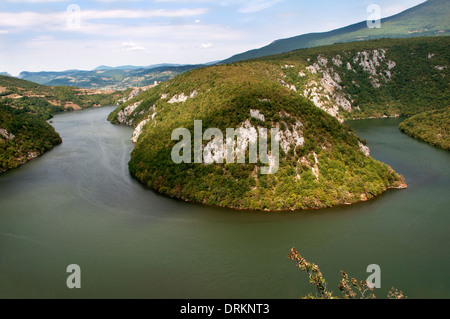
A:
(79, 205)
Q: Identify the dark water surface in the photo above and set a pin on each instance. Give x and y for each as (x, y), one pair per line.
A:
(78, 204)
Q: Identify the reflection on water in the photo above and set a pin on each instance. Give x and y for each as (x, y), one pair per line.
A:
(79, 205)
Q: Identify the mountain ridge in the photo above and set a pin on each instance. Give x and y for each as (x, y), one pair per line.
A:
(109, 78)
(413, 22)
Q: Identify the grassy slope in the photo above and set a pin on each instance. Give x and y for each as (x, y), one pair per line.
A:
(432, 127)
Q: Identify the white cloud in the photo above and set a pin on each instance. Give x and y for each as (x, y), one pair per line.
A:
(258, 5)
(131, 46)
(29, 19)
(137, 14)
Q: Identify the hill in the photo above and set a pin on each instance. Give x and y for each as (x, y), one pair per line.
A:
(432, 127)
(44, 100)
(380, 78)
(306, 95)
(427, 19)
(23, 137)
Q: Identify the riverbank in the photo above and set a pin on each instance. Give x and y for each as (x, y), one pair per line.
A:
(23, 137)
(431, 127)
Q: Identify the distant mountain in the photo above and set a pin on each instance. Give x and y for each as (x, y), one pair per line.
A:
(5, 73)
(427, 19)
(134, 67)
(44, 101)
(109, 78)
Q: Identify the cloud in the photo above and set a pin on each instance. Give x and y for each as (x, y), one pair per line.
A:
(131, 46)
(244, 6)
(258, 5)
(29, 19)
(250, 6)
(137, 14)
(207, 45)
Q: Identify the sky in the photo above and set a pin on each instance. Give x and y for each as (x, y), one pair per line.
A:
(56, 35)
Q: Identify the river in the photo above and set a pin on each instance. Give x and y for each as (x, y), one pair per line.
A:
(79, 205)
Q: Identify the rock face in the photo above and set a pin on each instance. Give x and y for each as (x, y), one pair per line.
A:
(138, 130)
(136, 91)
(257, 115)
(6, 135)
(365, 149)
(125, 113)
(324, 75)
(180, 98)
(140, 127)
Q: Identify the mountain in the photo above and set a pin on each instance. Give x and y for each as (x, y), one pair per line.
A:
(5, 73)
(306, 95)
(430, 18)
(133, 67)
(44, 101)
(109, 78)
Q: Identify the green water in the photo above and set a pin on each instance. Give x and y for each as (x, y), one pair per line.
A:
(79, 205)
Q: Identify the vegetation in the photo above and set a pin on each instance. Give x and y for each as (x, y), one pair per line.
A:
(44, 101)
(418, 76)
(24, 107)
(432, 127)
(389, 77)
(427, 19)
(23, 137)
(328, 169)
(350, 288)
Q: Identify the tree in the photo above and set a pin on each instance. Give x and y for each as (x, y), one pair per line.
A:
(350, 288)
